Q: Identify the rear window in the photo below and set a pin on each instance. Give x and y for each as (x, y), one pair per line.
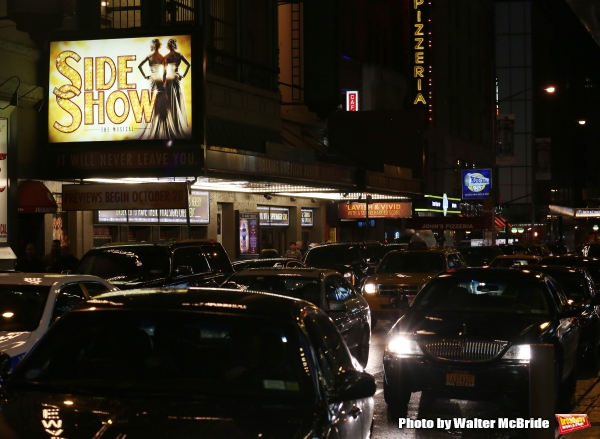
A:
(111, 263)
(296, 286)
(329, 255)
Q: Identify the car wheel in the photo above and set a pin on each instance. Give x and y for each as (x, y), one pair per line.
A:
(395, 397)
(363, 348)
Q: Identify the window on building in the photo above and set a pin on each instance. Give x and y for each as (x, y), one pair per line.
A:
(120, 14)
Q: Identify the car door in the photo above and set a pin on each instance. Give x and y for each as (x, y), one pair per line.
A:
(354, 417)
(568, 329)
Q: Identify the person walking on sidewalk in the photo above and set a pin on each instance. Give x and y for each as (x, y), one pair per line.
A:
(293, 253)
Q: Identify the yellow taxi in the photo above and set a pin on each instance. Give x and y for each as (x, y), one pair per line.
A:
(401, 275)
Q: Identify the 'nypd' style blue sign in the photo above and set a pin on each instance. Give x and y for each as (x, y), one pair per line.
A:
(476, 184)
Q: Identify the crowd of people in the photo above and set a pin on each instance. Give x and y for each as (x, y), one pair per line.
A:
(59, 259)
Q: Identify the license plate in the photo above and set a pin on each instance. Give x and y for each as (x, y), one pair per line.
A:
(460, 380)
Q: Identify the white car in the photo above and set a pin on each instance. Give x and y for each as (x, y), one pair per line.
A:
(31, 302)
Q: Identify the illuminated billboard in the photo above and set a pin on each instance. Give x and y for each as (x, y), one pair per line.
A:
(120, 89)
(476, 184)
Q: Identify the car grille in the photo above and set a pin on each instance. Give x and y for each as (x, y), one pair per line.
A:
(465, 350)
(398, 290)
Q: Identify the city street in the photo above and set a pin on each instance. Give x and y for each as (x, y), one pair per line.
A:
(427, 407)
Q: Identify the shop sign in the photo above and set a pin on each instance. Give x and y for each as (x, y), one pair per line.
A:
(376, 210)
(584, 213)
(274, 216)
(435, 203)
(3, 180)
(476, 184)
(421, 33)
(120, 89)
(248, 224)
(351, 101)
(446, 223)
(171, 161)
(124, 196)
(307, 217)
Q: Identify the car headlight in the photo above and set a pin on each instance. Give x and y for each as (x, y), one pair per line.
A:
(403, 346)
(370, 288)
(520, 352)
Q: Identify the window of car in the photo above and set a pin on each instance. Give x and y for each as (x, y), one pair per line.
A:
(217, 258)
(454, 261)
(22, 307)
(66, 298)
(190, 257)
(558, 295)
(166, 351)
(326, 255)
(337, 289)
(330, 349)
(96, 288)
(113, 262)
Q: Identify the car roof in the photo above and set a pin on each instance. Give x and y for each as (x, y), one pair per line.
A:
(44, 279)
(555, 269)
(526, 256)
(580, 260)
(498, 273)
(274, 271)
(212, 299)
(443, 250)
(264, 260)
(158, 243)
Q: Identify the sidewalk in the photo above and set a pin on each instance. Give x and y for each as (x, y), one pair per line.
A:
(587, 398)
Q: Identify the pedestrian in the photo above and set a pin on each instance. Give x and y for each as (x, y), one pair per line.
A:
(30, 263)
(299, 247)
(53, 260)
(293, 253)
(69, 261)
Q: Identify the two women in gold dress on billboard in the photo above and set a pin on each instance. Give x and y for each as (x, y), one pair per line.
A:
(169, 118)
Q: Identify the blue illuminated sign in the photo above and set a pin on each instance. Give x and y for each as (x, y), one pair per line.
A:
(476, 184)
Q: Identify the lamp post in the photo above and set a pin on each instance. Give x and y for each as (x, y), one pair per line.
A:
(549, 89)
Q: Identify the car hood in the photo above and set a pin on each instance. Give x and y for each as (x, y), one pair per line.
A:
(515, 328)
(400, 278)
(156, 417)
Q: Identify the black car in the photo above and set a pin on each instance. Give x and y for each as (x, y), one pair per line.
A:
(267, 263)
(581, 291)
(190, 363)
(468, 333)
(591, 264)
(480, 256)
(350, 259)
(327, 289)
(169, 263)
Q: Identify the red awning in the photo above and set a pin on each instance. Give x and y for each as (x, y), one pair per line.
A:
(34, 197)
(501, 222)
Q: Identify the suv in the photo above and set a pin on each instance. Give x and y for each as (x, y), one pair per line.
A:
(401, 275)
(350, 259)
(172, 264)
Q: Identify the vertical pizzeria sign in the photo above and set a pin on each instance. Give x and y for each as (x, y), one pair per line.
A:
(421, 35)
(3, 180)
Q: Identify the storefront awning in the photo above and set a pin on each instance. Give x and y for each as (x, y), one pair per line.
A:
(34, 197)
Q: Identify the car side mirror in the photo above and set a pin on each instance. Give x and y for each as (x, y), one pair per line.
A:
(184, 270)
(353, 384)
(5, 361)
(337, 306)
(371, 270)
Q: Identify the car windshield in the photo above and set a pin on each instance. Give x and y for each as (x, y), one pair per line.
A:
(297, 286)
(113, 263)
(412, 262)
(331, 255)
(170, 352)
(509, 262)
(497, 295)
(21, 307)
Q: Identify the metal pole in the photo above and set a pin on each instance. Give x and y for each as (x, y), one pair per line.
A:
(541, 389)
(187, 210)
(367, 211)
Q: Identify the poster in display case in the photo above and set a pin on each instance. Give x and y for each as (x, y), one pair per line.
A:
(247, 233)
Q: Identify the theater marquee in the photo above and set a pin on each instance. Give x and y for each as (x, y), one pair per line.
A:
(120, 89)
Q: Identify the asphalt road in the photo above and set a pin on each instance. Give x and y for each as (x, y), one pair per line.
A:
(425, 406)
